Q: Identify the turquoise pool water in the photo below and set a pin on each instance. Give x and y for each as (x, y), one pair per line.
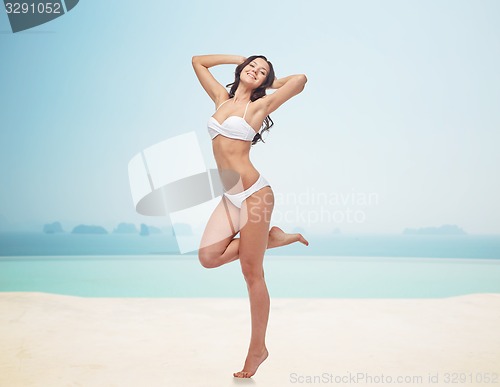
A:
(286, 276)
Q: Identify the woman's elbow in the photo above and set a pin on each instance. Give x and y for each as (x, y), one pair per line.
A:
(302, 78)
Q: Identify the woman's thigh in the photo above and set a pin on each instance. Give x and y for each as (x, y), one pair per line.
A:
(222, 226)
(255, 232)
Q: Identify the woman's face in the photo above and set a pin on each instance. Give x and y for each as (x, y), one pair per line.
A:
(255, 73)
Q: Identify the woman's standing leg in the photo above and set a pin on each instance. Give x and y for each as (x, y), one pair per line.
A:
(253, 243)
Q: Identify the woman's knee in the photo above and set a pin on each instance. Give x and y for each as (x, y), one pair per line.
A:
(252, 273)
(207, 258)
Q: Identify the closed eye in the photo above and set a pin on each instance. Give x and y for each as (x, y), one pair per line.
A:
(262, 72)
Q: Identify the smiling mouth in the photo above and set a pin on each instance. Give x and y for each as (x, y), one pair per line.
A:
(251, 76)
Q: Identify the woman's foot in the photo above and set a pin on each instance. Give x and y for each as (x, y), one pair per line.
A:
(252, 362)
(277, 238)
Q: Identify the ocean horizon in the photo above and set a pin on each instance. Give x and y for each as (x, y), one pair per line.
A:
(361, 245)
(286, 276)
(346, 266)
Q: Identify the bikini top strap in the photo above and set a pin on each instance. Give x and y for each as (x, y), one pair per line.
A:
(246, 109)
(223, 103)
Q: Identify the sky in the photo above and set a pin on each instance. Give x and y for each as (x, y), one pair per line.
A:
(398, 125)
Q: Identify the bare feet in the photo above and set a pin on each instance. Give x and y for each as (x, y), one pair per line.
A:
(252, 362)
(277, 237)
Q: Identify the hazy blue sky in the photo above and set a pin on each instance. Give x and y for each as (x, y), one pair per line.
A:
(398, 126)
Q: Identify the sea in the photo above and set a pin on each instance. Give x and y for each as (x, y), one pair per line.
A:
(333, 266)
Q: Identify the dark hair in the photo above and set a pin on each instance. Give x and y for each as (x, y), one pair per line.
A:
(257, 93)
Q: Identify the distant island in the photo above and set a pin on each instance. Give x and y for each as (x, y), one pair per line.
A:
(85, 229)
(446, 229)
(52, 228)
(125, 228)
(146, 230)
(122, 228)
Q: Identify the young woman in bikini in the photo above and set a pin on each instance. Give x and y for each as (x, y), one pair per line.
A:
(241, 117)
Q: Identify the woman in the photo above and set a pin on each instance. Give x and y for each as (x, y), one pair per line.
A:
(248, 200)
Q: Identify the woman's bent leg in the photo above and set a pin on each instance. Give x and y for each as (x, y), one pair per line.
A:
(218, 245)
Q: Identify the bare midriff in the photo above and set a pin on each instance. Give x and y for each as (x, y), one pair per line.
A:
(233, 158)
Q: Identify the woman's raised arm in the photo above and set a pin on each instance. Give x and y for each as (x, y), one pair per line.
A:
(201, 64)
(287, 88)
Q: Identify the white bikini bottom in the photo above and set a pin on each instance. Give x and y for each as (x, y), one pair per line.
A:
(238, 198)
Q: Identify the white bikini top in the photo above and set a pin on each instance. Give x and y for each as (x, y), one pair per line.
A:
(233, 127)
